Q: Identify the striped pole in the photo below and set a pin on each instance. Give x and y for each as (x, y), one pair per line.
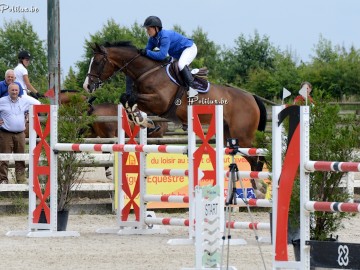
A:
(251, 174)
(172, 172)
(332, 207)
(248, 225)
(167, 221)
(333, 166)
(247, 151)
(254, 202)
(166, 198)
(185, 199)
(175, 149)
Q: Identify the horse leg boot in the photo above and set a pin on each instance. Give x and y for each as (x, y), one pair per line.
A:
(138, 118)
(132, 111)
(124, 100)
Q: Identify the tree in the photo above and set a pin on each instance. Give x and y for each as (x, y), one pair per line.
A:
(333, 137)
(334, 69)
(111, 32)
(268, 83)
(19, 35)
(71, 81)
(73, 124)
(208, 54)
(248, 54)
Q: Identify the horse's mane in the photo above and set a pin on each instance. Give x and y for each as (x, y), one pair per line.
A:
(120, 44)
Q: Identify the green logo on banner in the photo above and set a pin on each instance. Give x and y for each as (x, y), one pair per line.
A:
(210, 192)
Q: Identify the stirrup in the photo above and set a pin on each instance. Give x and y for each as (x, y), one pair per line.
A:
(192, 92)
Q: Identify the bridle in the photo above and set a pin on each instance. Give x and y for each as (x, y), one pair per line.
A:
(97, 82)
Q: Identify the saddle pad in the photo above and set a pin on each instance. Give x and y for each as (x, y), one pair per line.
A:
(202, 85)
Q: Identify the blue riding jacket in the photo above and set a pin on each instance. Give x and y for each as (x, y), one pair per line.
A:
(168, 42)
(4, 89)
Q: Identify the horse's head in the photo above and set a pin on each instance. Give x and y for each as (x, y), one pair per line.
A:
(107, 60)
(100, 69)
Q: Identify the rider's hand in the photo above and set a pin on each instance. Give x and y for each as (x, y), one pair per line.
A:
(39, 95)
(142, 52)
(36, 95)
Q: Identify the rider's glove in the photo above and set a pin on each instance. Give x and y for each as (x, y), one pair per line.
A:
(142, 52)
(39, 95)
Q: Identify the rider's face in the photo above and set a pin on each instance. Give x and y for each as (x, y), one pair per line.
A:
(151, 31)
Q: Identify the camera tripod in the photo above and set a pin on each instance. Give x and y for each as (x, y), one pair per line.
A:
(231, 198)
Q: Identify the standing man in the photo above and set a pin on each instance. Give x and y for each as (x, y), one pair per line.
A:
(12, 135)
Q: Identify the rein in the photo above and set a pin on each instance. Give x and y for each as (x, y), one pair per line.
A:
(142, 76)
(106, 59)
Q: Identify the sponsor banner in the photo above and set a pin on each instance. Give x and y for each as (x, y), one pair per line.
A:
(178, 185)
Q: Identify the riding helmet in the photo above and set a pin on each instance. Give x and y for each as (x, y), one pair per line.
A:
(24, 55)
(152, 21)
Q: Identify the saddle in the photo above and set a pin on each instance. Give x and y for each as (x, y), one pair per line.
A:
(200, 77)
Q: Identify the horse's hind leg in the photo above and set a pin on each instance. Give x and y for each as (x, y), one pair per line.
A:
(108, 172)
(257, 164)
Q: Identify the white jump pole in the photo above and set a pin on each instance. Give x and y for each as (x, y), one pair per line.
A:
(277, 130)
(304, 186)
(35, 228)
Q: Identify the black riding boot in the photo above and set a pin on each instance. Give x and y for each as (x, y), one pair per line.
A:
(188, 77)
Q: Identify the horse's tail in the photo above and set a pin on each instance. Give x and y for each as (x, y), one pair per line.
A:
(263, 113)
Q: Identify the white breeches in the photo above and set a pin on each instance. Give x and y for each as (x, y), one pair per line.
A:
(187, 56)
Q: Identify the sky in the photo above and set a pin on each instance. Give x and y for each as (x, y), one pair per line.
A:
(289, 24)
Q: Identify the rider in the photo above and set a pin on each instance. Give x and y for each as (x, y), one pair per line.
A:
(22, 77)
(169, 43)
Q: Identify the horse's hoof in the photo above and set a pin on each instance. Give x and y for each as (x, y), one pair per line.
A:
(108, 175)
(259, 194)
(150, 123)
(152, 130)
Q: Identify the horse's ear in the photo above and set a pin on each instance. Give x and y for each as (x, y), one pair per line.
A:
(93, 47)
(97, 48)
(102, 49)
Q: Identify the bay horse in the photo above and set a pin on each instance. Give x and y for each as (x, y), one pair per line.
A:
(156, 93)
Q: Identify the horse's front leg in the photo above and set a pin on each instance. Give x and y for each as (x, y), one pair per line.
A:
(133, 113)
